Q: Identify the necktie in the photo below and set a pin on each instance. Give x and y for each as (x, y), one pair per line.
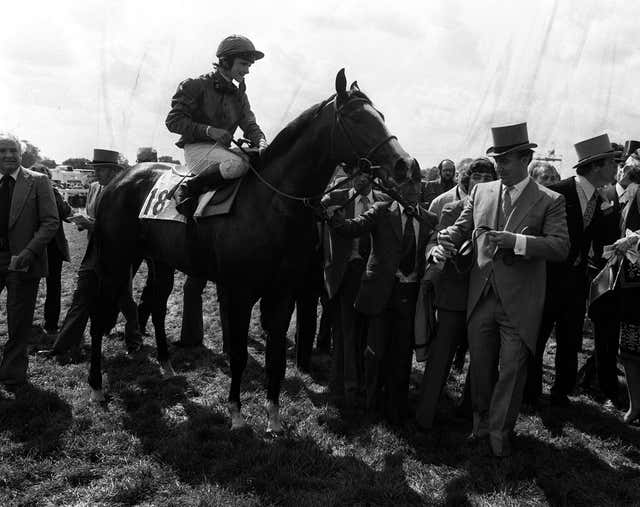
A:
(364, 244)
(589, 211)
(507, 205)
(408, 259)
(6, 193)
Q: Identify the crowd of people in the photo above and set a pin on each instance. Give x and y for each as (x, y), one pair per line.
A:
(490, 257)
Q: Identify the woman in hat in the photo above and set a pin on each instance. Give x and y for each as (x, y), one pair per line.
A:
(206, 111)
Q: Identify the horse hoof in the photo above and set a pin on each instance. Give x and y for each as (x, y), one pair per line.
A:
(237, 421)
(274, 423)
(97, 396)
(167, 370)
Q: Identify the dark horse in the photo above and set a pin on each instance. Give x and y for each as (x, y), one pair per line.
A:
(260, 249)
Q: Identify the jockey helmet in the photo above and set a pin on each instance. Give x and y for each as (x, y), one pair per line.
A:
(238, 45)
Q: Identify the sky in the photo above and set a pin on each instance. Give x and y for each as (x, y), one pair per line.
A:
(100, 74)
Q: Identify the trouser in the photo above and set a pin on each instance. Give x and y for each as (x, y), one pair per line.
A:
(389, 352)
(498, 370)
(54, 287)
(192, 332)
(566, 310)
(348, 350)
(451, 333)
(21, 302)
(605, 316)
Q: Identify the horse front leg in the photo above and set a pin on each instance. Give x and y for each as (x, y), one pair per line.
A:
(163, 278)
(235, 313)
(275, 319)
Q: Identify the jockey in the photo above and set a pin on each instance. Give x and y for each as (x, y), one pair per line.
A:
(206, 111)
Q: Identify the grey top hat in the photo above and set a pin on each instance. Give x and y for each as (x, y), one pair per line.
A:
(510, 138)
(595, 148)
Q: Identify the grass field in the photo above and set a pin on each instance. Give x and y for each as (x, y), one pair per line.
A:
(169, 443)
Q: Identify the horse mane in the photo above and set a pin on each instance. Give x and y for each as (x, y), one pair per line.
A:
(288, 135)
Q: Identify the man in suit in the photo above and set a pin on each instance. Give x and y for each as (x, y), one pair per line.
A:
(388, 294)
(446, 181)
(28, 222)
(605, 311)
(450, 287)
(456, 193)
(567, 281)
(344, 266)
(516, 225)
(106, 166)
(57, 253)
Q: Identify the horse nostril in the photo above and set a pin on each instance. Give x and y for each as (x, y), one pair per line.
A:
(400, 170)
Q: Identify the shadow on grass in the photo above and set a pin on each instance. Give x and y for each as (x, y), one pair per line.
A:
(196, 442)
(37, 419)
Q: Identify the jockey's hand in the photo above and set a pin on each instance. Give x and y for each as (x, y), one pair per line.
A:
(221, 136)
(23, 259)
(502, 239)
(440, 254)
(444, 240)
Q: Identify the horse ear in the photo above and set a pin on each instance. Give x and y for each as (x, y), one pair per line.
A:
(354, 87)
(341, 84)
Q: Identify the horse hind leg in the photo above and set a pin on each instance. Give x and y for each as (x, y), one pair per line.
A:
(275, 319)
(163, 277)
(235, 313)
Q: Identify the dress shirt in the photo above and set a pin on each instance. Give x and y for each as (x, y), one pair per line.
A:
(14, 175)
(520, 248)
(622, 193)
(412, 277)
(358, 209)
(585, 192)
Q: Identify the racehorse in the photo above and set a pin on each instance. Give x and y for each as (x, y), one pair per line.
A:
(260, 249)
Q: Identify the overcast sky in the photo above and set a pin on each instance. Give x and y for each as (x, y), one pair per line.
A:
(79, 75)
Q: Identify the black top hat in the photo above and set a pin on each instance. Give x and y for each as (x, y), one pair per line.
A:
(630, 148)
(105, 157)
(596, 148)
(510, 138)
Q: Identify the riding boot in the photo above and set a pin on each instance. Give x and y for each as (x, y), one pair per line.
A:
(187, 193)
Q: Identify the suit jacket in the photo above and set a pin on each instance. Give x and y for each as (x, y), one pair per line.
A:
(90, 259)
(33, 219)
(580, 239)
(450, 286)
(384, 223)
(64, 211)
(451, 195)
(520, 283)
(338, 248)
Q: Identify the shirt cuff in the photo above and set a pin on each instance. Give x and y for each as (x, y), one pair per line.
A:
(520, 247)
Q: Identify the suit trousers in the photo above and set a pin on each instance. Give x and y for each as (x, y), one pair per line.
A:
(605, 316)
(348, 350)
(389, 352)
(451, 333)
(498, 370)
(192, 331)
(21, 302)
(54, 287)
(566, 310)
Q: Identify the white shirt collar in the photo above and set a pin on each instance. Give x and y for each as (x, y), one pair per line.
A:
(620, 190)
(14, 174)
(461, 192)
(586, 186)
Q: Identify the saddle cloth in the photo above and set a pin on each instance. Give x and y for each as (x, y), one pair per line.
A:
(160, 205)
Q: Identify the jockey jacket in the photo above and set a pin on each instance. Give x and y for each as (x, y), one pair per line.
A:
(211, 100)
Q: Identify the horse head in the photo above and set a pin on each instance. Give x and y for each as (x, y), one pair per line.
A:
(363, 141)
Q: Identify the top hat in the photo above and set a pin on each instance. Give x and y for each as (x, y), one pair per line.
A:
(630, 148)
(509, 138)
(147, 154)
(105, 157)
(596, 148)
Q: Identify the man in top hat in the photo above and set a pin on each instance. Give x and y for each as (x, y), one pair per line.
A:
(388, 293)
(28, 222)
(106, 165)
(567, 281)
(516, 225)
(604, 312)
